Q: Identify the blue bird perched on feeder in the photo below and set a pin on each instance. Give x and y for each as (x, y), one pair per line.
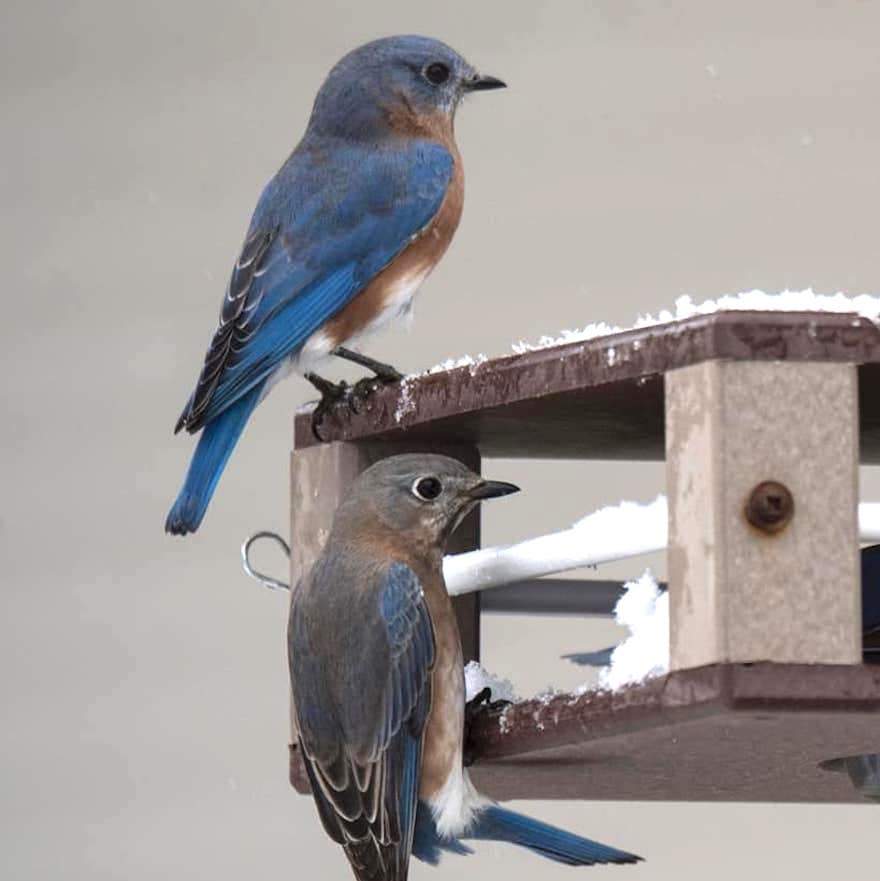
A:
(340, 240)
(378, 684)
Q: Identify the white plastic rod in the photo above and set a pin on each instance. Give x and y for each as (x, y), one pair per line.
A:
(869, 521)
(614, 533)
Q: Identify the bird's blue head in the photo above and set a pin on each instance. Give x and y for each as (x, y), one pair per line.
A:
(396, 85)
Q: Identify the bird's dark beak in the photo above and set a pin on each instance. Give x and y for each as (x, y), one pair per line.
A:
(492, 489)
(479, 83)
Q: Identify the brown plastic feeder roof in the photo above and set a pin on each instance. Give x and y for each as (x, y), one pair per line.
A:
(602, 398)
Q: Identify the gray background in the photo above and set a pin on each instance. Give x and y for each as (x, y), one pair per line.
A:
(644, 150)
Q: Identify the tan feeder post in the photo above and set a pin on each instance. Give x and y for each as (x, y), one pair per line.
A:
(762, 477)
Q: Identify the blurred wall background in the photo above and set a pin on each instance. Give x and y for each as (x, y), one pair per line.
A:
(643, 151)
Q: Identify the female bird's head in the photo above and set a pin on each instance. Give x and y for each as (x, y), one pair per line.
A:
(420, 498)
(396, 85)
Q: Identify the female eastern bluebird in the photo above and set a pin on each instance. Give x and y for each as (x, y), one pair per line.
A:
(378, 680)
(340, 240)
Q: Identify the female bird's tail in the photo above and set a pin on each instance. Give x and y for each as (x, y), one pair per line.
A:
(494, 823)
(217, 441)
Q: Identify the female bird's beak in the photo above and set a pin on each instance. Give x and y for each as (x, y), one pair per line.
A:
(491, 489)
(479, 83)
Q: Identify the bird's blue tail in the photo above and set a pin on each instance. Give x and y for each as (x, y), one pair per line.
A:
(217, 441)
(498, 824)
(495, 823)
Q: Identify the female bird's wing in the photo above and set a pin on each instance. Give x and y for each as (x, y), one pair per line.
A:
(362, 750)
(329, 222)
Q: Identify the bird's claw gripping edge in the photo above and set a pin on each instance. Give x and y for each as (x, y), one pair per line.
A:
(358, 394)
(383, 374)
(363, 388)
(481, 702)
(331, 394)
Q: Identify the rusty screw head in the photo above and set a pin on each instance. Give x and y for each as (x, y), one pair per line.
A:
(770, 506)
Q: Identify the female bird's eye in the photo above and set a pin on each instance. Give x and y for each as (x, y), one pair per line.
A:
(437, 73)
(427, 488)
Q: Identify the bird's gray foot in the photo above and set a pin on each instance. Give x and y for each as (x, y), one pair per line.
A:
(479, 703)
(331, 394)
(361, 391)
(383, 374)
(364, 388)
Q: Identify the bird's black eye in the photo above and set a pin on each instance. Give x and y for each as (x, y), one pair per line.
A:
(437, 73)
(427, 488)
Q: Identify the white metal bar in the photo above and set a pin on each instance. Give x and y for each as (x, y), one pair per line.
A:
(618, 532)
(615, 533)
(869, 521)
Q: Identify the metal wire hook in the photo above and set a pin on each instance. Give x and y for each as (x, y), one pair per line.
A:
(265, 580)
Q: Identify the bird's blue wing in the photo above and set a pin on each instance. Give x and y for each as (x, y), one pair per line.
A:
(326, 225)
(364, 765)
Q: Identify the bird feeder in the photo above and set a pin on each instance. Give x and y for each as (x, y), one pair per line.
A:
(762, 419)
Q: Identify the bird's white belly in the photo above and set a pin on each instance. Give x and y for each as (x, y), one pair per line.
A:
(317, 348)
(397, 304)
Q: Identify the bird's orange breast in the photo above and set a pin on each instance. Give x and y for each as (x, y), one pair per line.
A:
(389, 294)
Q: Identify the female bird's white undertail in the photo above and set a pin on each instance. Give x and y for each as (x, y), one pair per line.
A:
(457, 804)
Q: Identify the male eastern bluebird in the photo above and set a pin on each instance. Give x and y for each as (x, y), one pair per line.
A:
(340, 240)
(378, 680)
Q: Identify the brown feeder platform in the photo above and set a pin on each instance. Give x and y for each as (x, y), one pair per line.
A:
(765, 629)
(728, 732)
